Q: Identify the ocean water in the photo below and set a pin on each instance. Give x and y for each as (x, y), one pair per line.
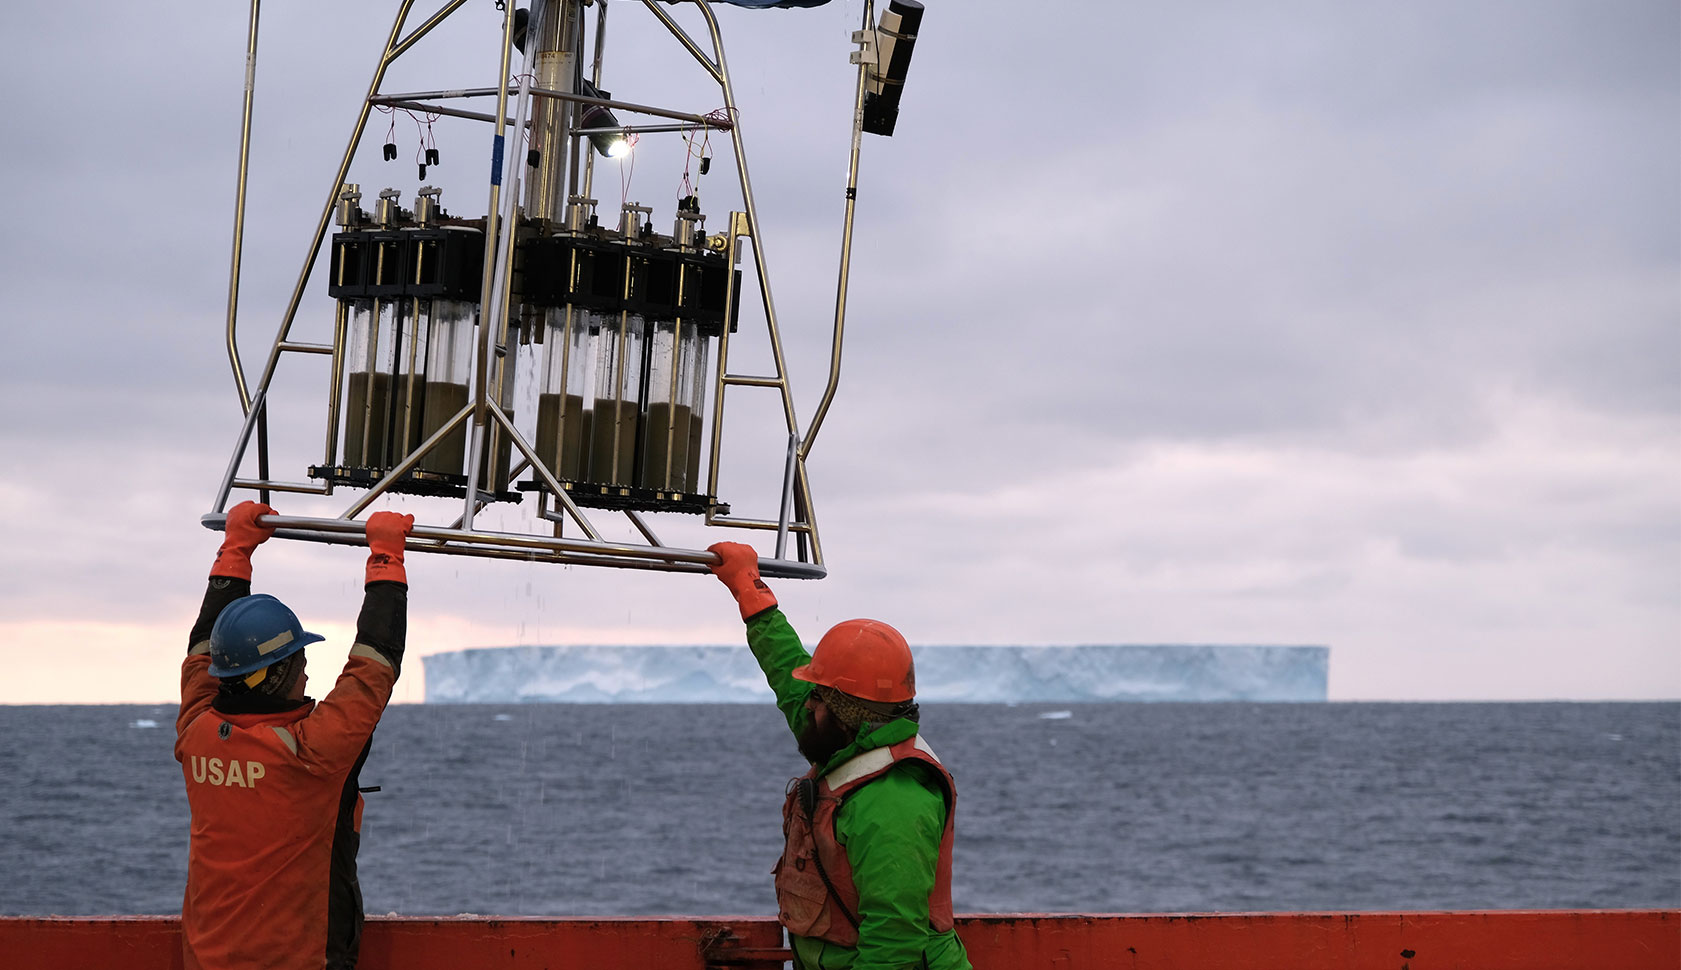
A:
(647, 809)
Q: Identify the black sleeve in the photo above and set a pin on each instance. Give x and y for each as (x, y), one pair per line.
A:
(384, 623)
(221, 591)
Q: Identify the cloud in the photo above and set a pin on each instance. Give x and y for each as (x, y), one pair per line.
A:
(1307, 323)
(1553, 531)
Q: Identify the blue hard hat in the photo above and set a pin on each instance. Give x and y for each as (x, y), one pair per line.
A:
(253, 632)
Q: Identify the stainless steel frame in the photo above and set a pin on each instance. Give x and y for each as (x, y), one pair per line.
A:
(795, 516)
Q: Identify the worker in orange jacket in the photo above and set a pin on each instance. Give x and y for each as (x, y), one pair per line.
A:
(271, 774)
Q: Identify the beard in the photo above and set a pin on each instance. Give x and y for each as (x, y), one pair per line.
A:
(819, 743)
(282, 675)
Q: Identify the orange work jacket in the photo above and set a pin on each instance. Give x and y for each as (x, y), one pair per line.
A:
(264, 791)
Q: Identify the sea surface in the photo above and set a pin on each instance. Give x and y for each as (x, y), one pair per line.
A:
(647, 809)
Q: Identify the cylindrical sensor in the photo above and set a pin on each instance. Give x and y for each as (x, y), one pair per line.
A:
(385, 386)
(662, 449)
(449, 368)
(617, 408)
(566, 395)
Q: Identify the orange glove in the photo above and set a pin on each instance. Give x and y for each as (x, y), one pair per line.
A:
(240, 537)
(386, 532)
(738, 569)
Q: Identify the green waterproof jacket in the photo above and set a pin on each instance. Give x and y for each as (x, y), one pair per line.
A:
(891, 829)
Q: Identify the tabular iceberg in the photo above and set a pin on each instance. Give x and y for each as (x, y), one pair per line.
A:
(952, 674)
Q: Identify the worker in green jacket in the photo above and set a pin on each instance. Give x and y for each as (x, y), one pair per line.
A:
(864, 882)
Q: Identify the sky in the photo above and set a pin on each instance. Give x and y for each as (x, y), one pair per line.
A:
(1355, 325)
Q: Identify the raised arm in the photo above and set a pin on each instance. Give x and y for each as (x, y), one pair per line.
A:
(333, 735)
(773, 641)
(230, 579)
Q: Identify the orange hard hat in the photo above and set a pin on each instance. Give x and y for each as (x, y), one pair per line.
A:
(865, 658)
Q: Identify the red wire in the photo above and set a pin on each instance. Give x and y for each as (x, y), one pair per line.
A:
(687, 187)
(683, 188)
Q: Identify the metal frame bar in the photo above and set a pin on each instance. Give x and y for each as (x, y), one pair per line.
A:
(497, 225)
(588, 157)
(414, 100)
(688, 42)
(438, 109)
(239, 201)
(393, 476)
(846, 245)
(488, 421)
(508, 545)
(341, 326)
(252, 404)
(548, 476)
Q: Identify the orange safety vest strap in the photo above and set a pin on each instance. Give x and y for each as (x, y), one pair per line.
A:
(815, 892)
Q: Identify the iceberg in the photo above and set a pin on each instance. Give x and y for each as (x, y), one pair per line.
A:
(944, 674)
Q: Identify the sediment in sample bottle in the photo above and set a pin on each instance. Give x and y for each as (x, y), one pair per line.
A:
(613, 427)
(671, 432)
(656, 450)
(562, 434)
(408, 400)
(443, 401)
(691, 470)
(363, 431)
(383, 423)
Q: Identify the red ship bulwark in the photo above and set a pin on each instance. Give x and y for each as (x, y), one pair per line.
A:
(1484, 940)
